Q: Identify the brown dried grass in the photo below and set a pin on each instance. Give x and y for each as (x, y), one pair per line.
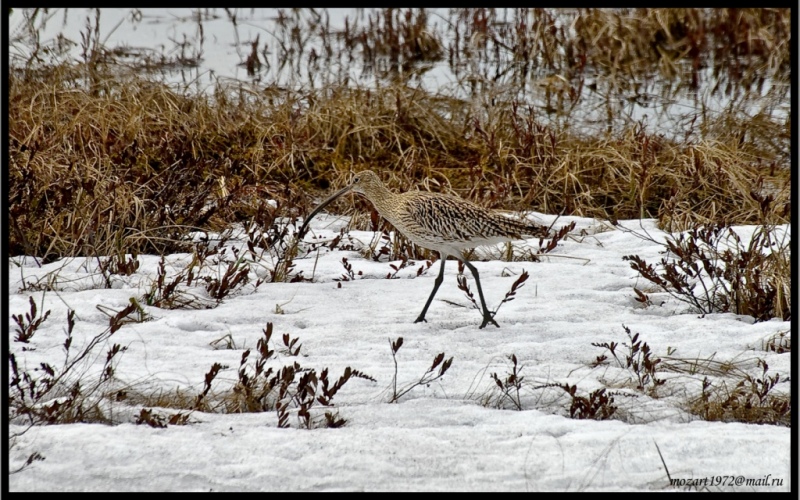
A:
(101, 162)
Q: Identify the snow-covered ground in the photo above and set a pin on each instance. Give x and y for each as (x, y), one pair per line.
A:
(456, 433)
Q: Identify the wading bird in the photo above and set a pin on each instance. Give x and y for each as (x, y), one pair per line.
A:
(440, 222)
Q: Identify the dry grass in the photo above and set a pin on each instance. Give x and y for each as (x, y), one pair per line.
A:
(108, 162)
(93, 173)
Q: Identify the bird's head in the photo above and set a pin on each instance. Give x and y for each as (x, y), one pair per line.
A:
(365, 182)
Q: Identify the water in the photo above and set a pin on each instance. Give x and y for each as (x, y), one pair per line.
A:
(304, 49)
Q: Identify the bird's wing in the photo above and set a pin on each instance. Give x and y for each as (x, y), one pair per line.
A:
(450, 219)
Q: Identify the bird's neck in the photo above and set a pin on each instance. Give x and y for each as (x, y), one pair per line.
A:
(382, 199)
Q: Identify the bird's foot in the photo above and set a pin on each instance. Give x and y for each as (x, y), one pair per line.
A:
(421, 318)
(487, 318)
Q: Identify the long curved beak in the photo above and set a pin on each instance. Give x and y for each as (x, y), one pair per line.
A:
(319, 208)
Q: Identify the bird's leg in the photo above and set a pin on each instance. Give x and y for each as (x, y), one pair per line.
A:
(436, 284)
(487, 316)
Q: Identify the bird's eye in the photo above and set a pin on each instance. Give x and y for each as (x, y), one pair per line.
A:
(355, 179)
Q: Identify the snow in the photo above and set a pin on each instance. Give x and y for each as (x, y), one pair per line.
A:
(455, 433)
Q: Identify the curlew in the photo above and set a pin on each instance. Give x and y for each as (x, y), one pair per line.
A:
(440, 222)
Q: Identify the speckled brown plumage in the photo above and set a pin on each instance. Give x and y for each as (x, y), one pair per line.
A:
(441, 222)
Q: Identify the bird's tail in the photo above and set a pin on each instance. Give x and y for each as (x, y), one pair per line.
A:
(537, 230)
(525, 228)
